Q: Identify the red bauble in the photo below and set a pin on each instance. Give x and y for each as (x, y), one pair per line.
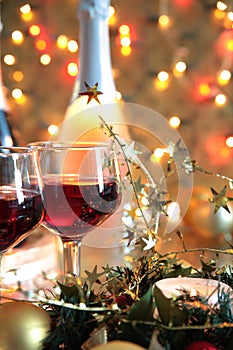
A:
(201, 345)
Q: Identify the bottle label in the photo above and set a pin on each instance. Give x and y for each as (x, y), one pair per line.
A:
(94, 8)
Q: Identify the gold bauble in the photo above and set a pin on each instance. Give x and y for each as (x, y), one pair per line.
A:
(201, 219)
(23, 326)
(118, 345)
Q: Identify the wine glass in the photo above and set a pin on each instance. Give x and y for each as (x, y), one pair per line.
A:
(21, 206)
(80, 192)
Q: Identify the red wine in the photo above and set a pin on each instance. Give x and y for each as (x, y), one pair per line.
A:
(74, 209)
(19, 215)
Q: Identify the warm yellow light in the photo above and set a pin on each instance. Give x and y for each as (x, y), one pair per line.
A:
(72, 46)
(224, 152)
(174, 121)
(164, 21)
(224, 77)
(229, 141)
(180, 66)
(9, 59)
(112, 20)
(220, 99)
(45, 59)
(62, 41)
(230, 45)
(161, 85)
(34, 30)
(158, 153)
(17, 75)
(17, 93)
(25, 9)
(28, 17)
(118, 95)
(179, 69)
(17, 37)
(124, 30)
(204, 89)
(111, 11)
(21, 100)
(125, 41)
(230, 16)
(163, 76)
(53, 129)
(221, 6)
(126, 50)
(72, 69)
(219, 14)
(41, 44)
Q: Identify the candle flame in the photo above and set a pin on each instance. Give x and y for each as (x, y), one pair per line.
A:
(193, 293)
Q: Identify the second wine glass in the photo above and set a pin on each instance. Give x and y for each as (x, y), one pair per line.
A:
(80, 192)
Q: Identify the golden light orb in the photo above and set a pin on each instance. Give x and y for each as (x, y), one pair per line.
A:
(164, 21)
(72, 46)
(62, 41)
(220, 100)
(9, 59)
(45, 59)
(174, 121)
(72, 69)
(17, 37)
(229, 141)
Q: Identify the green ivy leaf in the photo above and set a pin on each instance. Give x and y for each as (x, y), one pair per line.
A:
(72, 292)
(143, 309)
(169, 312)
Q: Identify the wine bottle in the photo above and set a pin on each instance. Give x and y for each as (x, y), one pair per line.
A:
(81, 120)
(81, 117)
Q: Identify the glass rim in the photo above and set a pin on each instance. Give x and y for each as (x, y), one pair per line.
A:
(15, 150)
(71, 145)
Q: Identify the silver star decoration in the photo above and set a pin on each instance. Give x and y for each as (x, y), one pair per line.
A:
(150, 243)
(131, 153)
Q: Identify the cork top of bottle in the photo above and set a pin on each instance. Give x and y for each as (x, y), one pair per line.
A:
(94, 8)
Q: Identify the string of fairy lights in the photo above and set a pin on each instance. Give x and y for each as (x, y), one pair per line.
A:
(124, 38)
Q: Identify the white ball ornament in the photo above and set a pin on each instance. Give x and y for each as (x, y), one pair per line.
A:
(23, 326)
(118, 345)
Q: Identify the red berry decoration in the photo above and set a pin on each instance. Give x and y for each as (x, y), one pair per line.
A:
(201, 345)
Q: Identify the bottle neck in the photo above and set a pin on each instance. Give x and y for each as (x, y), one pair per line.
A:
(95, 58)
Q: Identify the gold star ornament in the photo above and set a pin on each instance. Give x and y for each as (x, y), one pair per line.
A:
(220, 199)
(92, 92)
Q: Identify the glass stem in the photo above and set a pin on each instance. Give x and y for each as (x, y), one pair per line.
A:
(72, 258)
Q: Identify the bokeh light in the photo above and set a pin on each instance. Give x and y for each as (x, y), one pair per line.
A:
(9, 59)
(72, 69)
(45, 59)
(17, 37)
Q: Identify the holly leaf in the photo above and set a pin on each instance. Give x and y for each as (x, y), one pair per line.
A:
(74, 291)
(169, 313)
(143, 309)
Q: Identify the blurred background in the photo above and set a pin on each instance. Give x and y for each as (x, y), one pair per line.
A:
(173, 56)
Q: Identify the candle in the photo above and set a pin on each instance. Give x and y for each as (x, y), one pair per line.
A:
(205, 288)
(208, 289)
